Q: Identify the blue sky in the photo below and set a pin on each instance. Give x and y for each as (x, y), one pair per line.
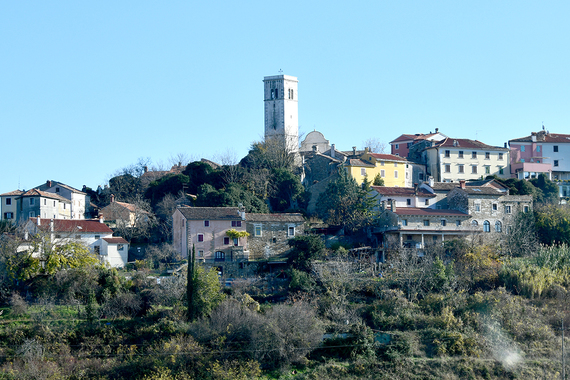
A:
(87, 88)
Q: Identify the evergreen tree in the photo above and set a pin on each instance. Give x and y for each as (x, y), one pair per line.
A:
(191, 286)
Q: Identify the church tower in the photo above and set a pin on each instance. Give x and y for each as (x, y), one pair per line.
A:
(281, 110)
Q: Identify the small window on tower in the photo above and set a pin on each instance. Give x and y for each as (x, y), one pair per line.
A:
(292, 94)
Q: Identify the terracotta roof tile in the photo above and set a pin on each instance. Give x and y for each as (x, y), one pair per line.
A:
(116, 240)
(73, 225)
(358, 162)
(388, 157)
(45, 194)
(429, 212)
(465, 143)
(210, 213)
(12, 193)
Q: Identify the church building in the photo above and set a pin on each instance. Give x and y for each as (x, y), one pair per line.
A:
(281, 110)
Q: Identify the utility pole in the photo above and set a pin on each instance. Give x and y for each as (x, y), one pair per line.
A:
(563, 364)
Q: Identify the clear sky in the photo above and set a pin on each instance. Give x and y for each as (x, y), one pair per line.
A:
(89, 87)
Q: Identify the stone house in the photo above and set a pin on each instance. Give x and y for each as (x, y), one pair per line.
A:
(123, 213)
(491, 209)
(269, 233)
(79, 201)
(20, 205)
(94, 234)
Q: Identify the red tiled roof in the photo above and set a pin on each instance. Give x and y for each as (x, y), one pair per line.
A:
(405, 137)
(429, 212)
(116, 240)
(465, 143)
(401, 191)
(210, 213)
(548, 138)
(45, 194)
(73, 225)
(358, 162)
(12, 193)
(387, 157)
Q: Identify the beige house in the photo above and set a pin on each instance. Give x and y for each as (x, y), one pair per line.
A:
(120, 212)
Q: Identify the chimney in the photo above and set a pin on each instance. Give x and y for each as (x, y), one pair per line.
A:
(48, 183)
(101, 219)
(382, 205)
(332, 151)
(112, 198)
(533, 137)
(462, 184)
(145, 168)
(366, 149)
(416, 188)
(315, 148)
(393, 205)
(436, 130)
(430, 181)
(39, 221)
(354, 150)
(505, 145)
(51, 225)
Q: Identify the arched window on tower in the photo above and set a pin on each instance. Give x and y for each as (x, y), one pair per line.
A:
(291, 93)
(486, 226)
(498, 226)
(276, 93)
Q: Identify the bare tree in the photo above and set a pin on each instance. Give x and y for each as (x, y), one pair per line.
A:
(375, 145)
(411, 268)
(139, 223)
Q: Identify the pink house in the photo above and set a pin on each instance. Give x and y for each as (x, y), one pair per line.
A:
(205, 229)
(527, 156)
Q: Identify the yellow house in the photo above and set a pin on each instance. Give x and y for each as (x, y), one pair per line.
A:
(396, 171)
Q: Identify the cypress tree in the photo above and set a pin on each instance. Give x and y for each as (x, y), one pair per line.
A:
(191, 286)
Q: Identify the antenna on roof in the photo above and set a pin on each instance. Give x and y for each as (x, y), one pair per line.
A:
(280, 71)
(543, 125)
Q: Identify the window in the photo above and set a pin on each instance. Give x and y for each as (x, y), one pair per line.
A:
(226, 240)
(408, 202)
(8, 215)
(474, 169)
(97, 250)
(495, 207)
(460, 154)
(8, 201)
(477, 207)
(120, 247)
(382, 173)
(443, 222)
(32, 214)
(427, 202)
(236, 223)
(555, 148)
(220, 256)
(31, 201)
(486, 226)
(291, 231)
(404, 222)
(200, 253)
(362, 171)
(538, 148)
(57, 189)
(58, 236)
(206, 223)
(421, 176)
(447, 153)
(461, 169)
(498, 226)
(395, 164)
(97, 237)
(555, 162)
(474, 223)
(500, 156)
(408, 145)
(522, 148)
(409, 237)
(507, 209)
(447, 168)
(257, 230)
(292, 97)
(381, 163)
(473, 154)
(434, 238)
(45, 202)
(487, 155)
(274, 240)
(395, 174)
(77, 237)
(487, 170)
(200, 237)
(53, 203)
(236, 242)
(525, 209)
(397, 146)
(64, 206)
(501, 170)
(458, 223)
(426, 222)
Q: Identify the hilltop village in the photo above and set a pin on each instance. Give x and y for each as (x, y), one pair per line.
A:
(429, 255)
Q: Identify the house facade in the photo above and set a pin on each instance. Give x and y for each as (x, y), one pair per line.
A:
(401, 145)
(205, 229)
(420, 196)
(79, 201)
(269, 233)
(453, 160)
(394, 170)
(541, 152)
(94, 234)
(10, 205)
(18, 205)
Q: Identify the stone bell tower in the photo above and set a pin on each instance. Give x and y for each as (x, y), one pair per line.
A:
(281, 110)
